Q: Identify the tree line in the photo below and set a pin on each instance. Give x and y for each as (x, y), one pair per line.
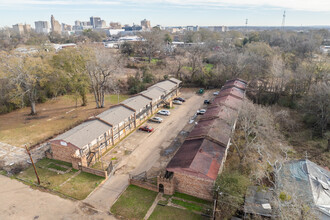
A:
(27, 79)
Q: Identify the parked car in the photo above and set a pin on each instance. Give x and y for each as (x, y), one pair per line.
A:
(180, 99)
(164, 112)
(156, 119)
(146, 128)
(201, 112)
(207, 101)
(177, 102)
(216, 93)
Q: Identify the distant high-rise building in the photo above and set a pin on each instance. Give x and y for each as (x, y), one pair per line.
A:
(145, 24)
(66, 27)
(77, 23)
(18, 28)
(115, 25)
(27, 28)
(42, 27)
(55, 25)
(193, 28)
(95, 21)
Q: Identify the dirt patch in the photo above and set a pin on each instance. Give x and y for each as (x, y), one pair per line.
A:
(40, 205)
(53, 117)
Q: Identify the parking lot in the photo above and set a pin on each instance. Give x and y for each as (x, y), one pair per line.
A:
(140, 151)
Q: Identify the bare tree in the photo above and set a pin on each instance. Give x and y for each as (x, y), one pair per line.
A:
(316, 105)
(28, 73)
(102, 65)
(153, 43)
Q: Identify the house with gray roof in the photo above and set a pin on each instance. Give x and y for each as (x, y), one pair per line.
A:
(81, 140)
(82, 143)
(122, 119)
(141, 104)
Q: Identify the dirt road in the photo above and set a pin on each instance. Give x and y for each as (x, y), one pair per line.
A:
(19, 201)
(145, 150)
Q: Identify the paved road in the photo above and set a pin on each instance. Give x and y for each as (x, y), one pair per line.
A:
(145, 149)
(19, 201)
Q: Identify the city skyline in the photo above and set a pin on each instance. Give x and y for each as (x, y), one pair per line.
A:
(169, 12)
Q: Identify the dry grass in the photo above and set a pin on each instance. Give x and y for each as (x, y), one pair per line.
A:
(78, 187)
(55, 116)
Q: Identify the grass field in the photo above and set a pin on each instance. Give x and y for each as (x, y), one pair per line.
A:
(54, 116)
(134, 203)
(78, 187)
(81, 186)
(191, 198)
(172, 213)
(188, 205)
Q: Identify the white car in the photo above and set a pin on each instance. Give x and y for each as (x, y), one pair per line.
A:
(156, 119)
(177, 102)
(201, 112)
(164, 112)
(216, 93)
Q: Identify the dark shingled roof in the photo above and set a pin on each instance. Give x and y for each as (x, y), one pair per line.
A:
(198, 157)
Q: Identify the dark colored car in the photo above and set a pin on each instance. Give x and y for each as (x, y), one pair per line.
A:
(207, 101)
(146, 128)
(180, 99)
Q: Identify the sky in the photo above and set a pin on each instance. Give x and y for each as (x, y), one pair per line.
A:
(170, 12)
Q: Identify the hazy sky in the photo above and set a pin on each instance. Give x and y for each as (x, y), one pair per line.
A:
(169, 12)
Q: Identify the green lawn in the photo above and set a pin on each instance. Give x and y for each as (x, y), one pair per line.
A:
(49, 179)
(81, 186)
(56, 167)
(78, 187)
(134, 203)
(169, 213)
(191, 198)
(188, 205)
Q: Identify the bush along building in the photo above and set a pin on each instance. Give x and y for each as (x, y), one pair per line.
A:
(195, 166)
(84, 144)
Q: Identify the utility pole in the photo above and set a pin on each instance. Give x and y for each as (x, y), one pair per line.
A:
(34, 167)
(283, 21)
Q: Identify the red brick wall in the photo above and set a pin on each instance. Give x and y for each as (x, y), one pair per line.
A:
(169, 185)
(62, 152)
(144, 185)
(94, 171)
(194, 186)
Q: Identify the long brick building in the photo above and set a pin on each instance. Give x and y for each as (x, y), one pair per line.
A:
(83, 144)
(195, 166)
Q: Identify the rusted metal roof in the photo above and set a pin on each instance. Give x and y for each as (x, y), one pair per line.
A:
(232, 91)
(229, 101)
(203, 151)
(235, 83)
(198, 157)
(215, 128)
(223, 112)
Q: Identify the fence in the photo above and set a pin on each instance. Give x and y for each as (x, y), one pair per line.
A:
(94, 171)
